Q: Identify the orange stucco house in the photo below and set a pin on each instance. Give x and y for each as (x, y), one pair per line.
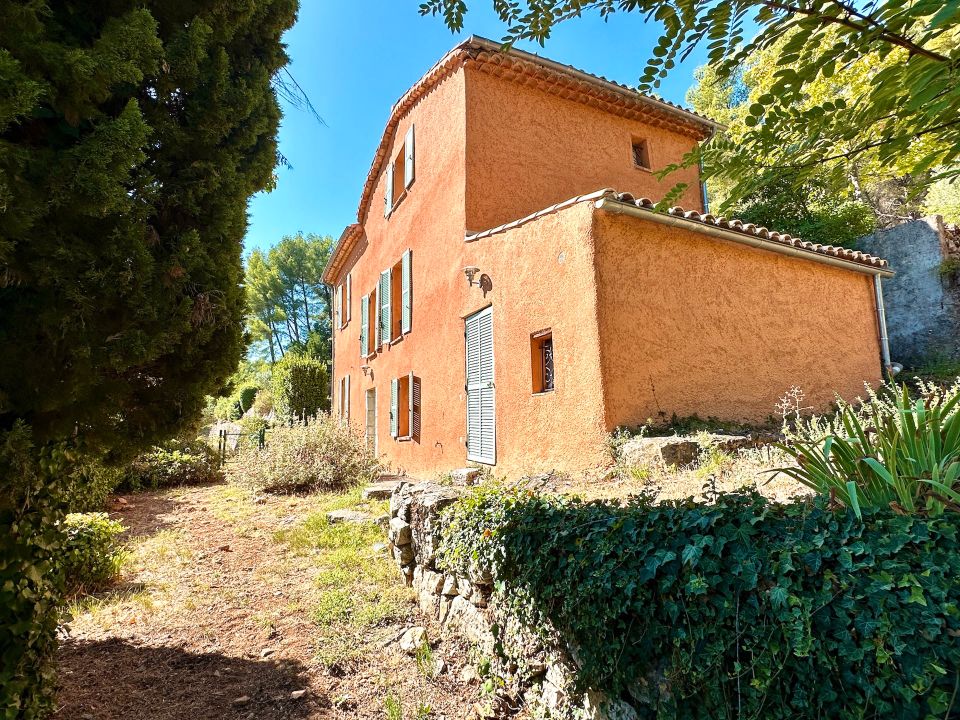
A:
(498, 303)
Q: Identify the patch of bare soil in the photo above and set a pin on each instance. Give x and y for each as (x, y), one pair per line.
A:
(219, 617)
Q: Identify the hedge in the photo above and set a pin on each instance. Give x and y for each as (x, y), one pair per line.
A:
(300, 385)
(176, 462)
(741, 608)
(30, 580)
(92, 554)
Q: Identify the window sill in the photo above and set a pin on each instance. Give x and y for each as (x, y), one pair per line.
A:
(643, 167)
(396, 340)
(396, 203)
(405, 438)
(543, 392)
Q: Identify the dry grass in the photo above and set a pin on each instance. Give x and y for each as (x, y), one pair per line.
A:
(231, 602)
(714, 471)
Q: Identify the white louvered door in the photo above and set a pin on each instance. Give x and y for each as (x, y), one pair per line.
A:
(481, 392)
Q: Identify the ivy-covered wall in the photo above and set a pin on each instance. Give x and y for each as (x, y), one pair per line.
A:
(739, 608)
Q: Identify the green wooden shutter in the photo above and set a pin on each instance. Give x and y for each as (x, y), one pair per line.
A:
(384, 306)
(388, 191)
(405, 284)
(365, 326)
(408, 159)
(349, 296)
(410, 423)
(394, 407)
(336, 307)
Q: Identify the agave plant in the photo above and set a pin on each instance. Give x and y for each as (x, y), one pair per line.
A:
(891, 451)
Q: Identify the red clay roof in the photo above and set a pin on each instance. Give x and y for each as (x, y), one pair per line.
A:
(697, 221)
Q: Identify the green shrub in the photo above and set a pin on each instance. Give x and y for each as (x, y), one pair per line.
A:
(92, 553)
(30, 581)
(226, 409)
(263, 402)
(245, 397)
(893, 450)
(300, 385)
(324, 455)
(89, 485)
(740, 608)
(177, 462)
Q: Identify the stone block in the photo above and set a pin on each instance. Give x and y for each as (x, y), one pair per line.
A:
(450, 586)
(679, 451)
(382, 489)
(348, 516)
(399, 532)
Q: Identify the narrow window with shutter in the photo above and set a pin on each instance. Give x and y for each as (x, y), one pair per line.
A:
(336, 306)
(410, 407)
(481, 391)
(374, 311)
(388, 191)
(408, 159)
(346, 397)
(406, 288)
(364, 326)
(349, 297)
(415, 403)
(394, 407)
(384, 315)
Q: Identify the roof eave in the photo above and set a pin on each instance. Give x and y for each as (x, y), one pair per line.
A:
(621, 207)
(667, 107)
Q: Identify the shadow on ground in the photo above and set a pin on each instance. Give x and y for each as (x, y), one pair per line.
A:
(148, 512)
(115, 679)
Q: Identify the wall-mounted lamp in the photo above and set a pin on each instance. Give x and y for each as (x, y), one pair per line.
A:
(365, 369)
(470, 271)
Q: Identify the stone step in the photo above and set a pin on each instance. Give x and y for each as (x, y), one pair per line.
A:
(465, 476)
(380, 490)
(383, 488)
(355, 517)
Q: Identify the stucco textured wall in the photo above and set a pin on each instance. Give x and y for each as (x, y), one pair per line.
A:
(528, 149)
(923, 310)
(542, 277)
(429, 220)
(695, 325)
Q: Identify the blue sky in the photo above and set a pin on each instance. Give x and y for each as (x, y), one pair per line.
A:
(355, 60)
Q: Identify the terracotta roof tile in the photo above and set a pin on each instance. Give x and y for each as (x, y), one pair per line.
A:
(697, 218)
(757, 231)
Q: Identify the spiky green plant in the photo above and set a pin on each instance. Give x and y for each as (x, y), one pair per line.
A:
(893, 450)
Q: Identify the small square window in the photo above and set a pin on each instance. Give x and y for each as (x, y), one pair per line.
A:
(541, 361)
(641, 154)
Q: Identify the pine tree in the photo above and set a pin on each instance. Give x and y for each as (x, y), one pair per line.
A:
(132, 134)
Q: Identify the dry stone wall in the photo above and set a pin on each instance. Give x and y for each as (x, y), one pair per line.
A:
(537, 670)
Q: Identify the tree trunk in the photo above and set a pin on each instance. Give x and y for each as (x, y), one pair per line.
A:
(306, 305)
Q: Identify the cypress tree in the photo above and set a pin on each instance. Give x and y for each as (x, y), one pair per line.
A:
(132, 134)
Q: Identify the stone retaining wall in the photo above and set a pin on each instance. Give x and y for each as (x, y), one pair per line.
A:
(922, 305)
(535, 667)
